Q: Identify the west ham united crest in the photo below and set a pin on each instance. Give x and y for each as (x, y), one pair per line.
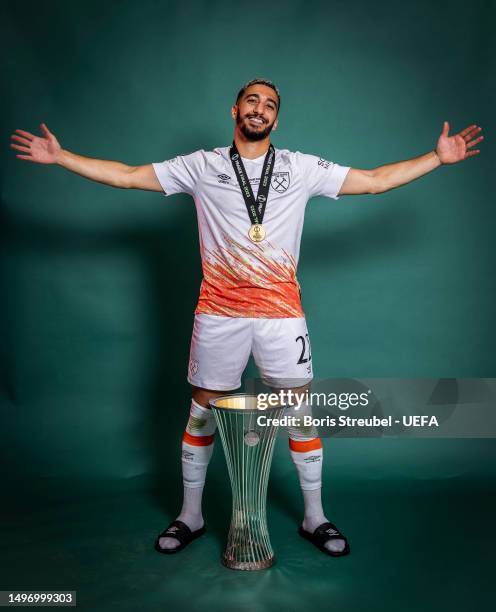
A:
(193, 366)
(280, 181)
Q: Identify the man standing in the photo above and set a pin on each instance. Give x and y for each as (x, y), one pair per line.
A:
(250, 200)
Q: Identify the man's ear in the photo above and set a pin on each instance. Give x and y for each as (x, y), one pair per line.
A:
(275, 125)
(234, 111)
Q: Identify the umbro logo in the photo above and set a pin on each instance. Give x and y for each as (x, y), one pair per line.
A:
(172, 529)
(224, 179)
(332, 531)
(312, 459)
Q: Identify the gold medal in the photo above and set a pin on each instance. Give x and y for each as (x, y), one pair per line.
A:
(257, 233)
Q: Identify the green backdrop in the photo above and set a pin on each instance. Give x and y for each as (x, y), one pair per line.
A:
(99, 286)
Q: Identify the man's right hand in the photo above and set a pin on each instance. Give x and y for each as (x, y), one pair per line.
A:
(41, 150)
(47, 150)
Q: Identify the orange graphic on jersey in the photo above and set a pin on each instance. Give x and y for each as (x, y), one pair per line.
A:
(242, 281)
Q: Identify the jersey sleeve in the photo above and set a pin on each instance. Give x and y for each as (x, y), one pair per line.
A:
(180, 174)
(321, 177)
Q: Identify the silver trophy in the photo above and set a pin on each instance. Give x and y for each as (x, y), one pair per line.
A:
(248, 448)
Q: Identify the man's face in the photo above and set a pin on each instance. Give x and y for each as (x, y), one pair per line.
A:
(256, 112)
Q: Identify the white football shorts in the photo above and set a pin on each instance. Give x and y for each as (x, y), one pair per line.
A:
(221, 347)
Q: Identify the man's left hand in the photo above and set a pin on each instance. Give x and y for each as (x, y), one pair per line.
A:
(453, 149)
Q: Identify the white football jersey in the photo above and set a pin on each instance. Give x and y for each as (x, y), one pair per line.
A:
(242, 278)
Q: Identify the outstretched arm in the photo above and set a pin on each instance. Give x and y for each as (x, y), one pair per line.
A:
(47, 150)
(449, 150)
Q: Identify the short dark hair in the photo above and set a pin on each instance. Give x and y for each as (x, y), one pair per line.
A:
(260, 82)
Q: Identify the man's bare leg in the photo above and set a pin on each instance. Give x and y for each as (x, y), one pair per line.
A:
(197, 448)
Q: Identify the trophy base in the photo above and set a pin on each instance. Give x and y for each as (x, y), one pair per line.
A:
(248, 565)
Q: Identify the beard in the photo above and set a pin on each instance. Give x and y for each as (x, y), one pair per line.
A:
(249, 133)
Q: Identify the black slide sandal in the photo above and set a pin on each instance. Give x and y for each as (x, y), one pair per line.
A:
(324, 533)
(180, 531)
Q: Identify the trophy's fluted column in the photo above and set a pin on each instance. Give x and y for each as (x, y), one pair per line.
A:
(248, 449)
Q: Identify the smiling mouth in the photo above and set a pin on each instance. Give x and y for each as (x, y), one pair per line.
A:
(256, 121)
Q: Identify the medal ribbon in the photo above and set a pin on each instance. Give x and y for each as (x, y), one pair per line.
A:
(255, 208)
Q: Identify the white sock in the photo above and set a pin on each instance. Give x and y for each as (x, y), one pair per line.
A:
(197, 449)
(314, 513)
(307, 457)
(191, 513)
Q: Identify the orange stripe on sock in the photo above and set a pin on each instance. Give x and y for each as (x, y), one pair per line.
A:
(302, 446)
(197, 440)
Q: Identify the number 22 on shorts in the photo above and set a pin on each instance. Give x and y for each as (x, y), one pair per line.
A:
(305, 344)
